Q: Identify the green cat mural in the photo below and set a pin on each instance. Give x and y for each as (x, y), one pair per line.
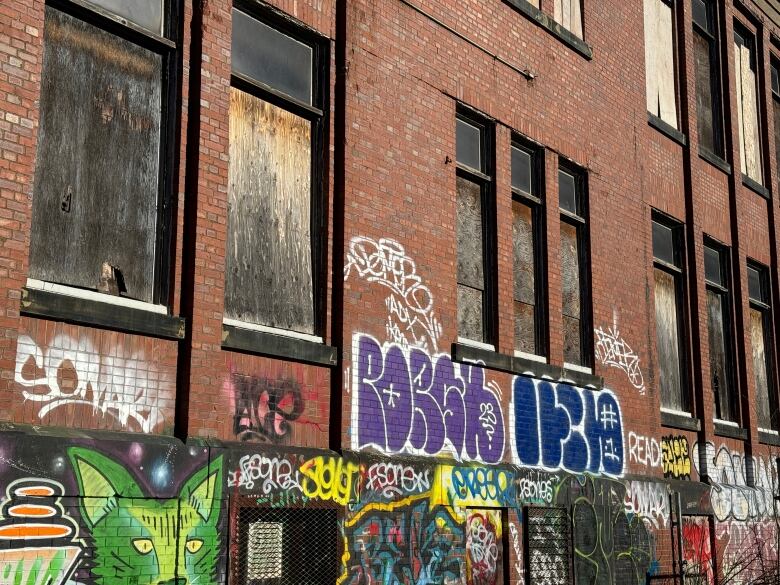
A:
(144, 541)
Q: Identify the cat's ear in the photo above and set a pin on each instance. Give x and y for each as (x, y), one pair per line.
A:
(204, 490)
(100, 481)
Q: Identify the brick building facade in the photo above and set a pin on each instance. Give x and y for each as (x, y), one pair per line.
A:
(301, 291)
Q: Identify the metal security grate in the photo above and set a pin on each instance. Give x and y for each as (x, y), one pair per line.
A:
(548, 533)
(284, 546)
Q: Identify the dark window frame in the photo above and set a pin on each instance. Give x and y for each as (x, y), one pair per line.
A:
(318, 116)
(656, 121)
(750, 39)
(774, 66)
(535, 201)
(681, 296)
(580, 220)
(169, 47)
(725, 291)
(713, 37)
(764, 306)
(486, 182)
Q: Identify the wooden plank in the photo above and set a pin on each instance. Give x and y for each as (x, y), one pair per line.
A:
(651, 73)
(750, 116)
(664, 45)
(740, 100)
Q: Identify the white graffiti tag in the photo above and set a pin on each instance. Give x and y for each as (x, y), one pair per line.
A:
(612, 350)
(518, 553)
(271, 473)
(393, 479)
(125, 387)
(410, 320)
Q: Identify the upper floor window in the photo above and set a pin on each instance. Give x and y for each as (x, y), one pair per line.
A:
(575, 281)
(568, 13)
(474, 183)
(659, 60)
(722, 380)
(708, 88)
(100, 210)
(527, 243)
(775, 70)
(669, 293)
(273, 267)
(762, 346)
(746, 81)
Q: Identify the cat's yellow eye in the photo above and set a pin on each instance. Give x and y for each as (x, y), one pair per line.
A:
(143, 545)
(194, 545)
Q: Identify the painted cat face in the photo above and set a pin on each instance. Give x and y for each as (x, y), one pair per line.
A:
(144, 541)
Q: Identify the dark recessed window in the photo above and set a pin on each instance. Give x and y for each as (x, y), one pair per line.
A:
(746, 82)
(100, 216)
(575, 278)
(708, 88)
(761, 343)
(527, 243)
(273, 264)
(775, 69)
(669, 313)
(474, 197)
(722, 381)
(660, 63)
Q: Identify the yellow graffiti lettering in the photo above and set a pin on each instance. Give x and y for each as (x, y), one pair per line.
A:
(329, 479)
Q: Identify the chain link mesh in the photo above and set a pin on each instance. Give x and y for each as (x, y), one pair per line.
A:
(283, 546)
(549, 553)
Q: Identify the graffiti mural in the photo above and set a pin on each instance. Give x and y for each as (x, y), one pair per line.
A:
(644, 451)
(648, 500)
(405, 401)
(558, 426)
(264, 408)
(70, 372)
(676, 457)
(612, 350)
(483, 547)
(697, 551)
(411, 320)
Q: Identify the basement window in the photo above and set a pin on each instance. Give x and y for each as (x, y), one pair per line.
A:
(747, 104)
(274, 243)
(659, 60)
(100, 211)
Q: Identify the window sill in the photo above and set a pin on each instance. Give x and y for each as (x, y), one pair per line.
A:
(715, 160)
(259, 342)
(547, 23)
(724, 429)
(769, 437)
(756, 186)
(109, 313)
(478, 344)
(518, 365)
(685, 422)
(666, 129)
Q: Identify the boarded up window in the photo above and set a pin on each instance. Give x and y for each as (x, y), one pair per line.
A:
(761, 344)
(145, 13)
(568, 13)
(471, 269)
(659, 60)
(572, 294)
(484, 547)
(524, 245)
(707, 78)
(747, 104)
(719, 333)
(269, 255)
(98, 159)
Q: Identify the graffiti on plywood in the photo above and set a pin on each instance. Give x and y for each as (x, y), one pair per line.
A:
(411, 320)
(71, 372)
(406, 401)
(558, 426)
(612, 350)
(483, 547)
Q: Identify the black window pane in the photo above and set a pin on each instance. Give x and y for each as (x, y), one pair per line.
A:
(667, 331)
(765, 401)
(271, 57)
(663, 244)
(705, 107)
(775, 80)
(269, 261)
(469, 145)
(145, 13)
(470, 313)
(567, 188)
(522, 171)
(571, 305)
(720, 379)
(712, 266)
(755, 290)
(470, 241)
(700, 14)
(97, 169)
(776, 112)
